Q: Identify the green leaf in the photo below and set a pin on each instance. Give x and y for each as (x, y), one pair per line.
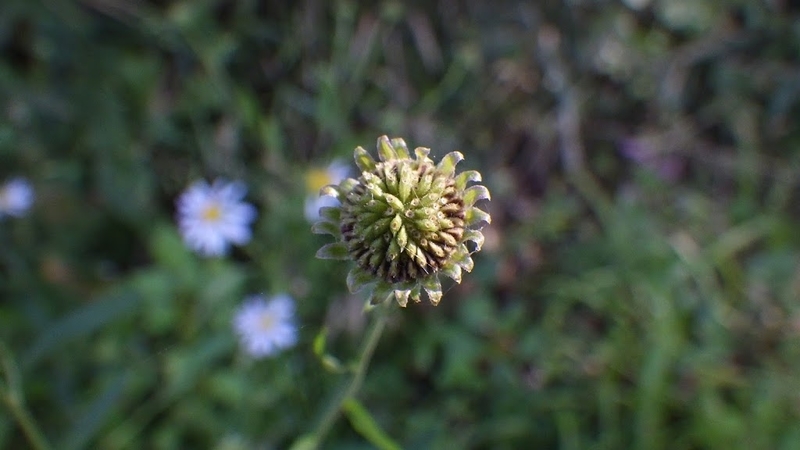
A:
(433, 287)
(332, 363)
(335, 250)
(448, 164)
(325, 227)
(319, 342)
(96, 414)
(80, 323)
(466, 177)
(401, 295)
(464, 260)
(474, 194)
(453, 271)
(329, 362)
(475, 216)
(476, 237)
(305, 442)
(366, 426)
(382, 293)
(331, 213)
(347, 185)
(415, 293)
(185, 366)
(357, 279)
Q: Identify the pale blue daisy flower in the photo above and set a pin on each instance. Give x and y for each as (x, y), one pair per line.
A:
(16, 197)
(318, 178)
(266, 327)
(212, 217)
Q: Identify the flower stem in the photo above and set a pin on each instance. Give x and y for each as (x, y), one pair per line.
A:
(12, 397)
(352, 388)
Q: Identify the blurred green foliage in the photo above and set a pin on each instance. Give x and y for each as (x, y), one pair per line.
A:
(638, 289)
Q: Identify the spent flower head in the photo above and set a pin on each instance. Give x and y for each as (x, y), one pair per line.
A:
(404, 222)
(212, 217)
(316, 179)
(16, 197)
(266, 327)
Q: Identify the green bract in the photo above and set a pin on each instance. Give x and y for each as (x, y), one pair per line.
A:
(404, 222)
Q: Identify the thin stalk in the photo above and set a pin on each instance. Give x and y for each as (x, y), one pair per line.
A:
(14, 400)
(352, 388)
(26, 422)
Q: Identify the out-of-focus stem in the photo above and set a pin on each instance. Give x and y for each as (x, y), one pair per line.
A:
(14, 400)
(352, 388)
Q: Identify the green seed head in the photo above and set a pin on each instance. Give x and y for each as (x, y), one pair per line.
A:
(404, 221)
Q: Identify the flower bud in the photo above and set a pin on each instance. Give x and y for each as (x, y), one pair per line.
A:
(404, 221)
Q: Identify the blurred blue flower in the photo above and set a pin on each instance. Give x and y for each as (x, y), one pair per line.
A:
(318, 178)
(266, 326)
(211, 217)
(16, 197)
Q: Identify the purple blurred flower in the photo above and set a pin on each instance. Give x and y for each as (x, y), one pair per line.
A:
(212, 217)
(16, 197)
(266, 327)
(649, 154)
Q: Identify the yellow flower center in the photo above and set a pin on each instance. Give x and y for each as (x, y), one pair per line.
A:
(212, 213)
(317, 179)
(266, 322)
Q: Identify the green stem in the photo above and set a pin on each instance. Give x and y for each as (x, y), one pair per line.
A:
(12, 397)
(355, 383)
(26, 422)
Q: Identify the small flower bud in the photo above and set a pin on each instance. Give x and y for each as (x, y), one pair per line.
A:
(404, 221)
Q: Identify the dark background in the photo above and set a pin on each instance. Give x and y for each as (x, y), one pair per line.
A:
(640, 280)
